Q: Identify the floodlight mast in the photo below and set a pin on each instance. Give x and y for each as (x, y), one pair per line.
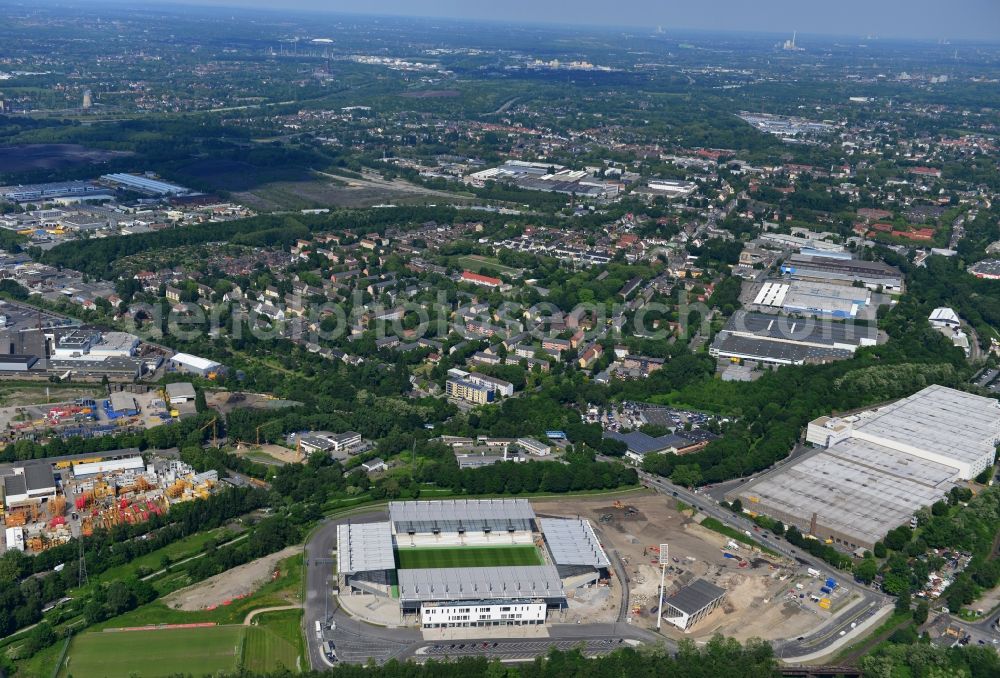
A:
(664, 559)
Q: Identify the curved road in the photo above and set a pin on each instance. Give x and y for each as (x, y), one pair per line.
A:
(870, 602)
(357, 641)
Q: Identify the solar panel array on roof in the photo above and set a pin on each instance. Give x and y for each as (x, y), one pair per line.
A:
(572, 541)
(364, 547)
(479, 583)
(461, 515)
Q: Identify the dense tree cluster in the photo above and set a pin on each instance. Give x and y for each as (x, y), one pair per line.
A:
(718, 657)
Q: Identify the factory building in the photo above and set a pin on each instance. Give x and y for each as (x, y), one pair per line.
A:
(17, 363)
(121, 404)
(92, 345)
(30, 484)
(51, 191)
(871, 274)
(142, 184)
(804, 297)
(672, 188)
(775, 340)
(876, 469)
(938, 424)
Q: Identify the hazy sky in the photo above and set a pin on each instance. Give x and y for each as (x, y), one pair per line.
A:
(890, 18)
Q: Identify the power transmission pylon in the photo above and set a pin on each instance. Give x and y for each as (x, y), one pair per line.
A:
(83, 563)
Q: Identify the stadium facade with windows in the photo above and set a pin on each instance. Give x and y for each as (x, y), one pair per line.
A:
(421, 557)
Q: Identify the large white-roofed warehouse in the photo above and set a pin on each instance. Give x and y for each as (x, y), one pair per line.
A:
(469, 562)
(875, 469)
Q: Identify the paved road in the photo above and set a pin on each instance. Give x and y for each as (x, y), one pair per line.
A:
(354, 640)
(357, 642)
(522, 649)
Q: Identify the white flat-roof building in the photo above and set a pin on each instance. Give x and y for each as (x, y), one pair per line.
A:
(93, 468)
(144, 184)
(938, 424)
(851, 493)
(532, 446)
(192, 364)
(880, 466)
(944, 317)
(14, 537)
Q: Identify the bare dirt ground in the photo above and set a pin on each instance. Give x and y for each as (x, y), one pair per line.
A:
(281, 455)
(238, 582)
(328, 190)
(755, 604)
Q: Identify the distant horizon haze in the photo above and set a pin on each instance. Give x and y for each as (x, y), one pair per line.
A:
(919, 19)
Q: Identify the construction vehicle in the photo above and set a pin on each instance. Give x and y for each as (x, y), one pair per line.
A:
(618, 504)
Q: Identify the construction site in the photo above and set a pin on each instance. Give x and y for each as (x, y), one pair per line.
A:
(764, 596)
(134, 408)
(48, 502)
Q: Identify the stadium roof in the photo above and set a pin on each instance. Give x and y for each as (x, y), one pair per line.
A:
(572, 541)
(479, 583)
(364, 547)
(696, 596)
(455, 514)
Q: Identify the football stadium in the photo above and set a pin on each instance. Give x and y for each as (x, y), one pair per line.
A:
(468, 562)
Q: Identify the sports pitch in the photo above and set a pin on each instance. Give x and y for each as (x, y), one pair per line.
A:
(466, 556)
(149, 654)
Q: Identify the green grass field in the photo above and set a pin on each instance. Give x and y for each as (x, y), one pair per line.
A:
(150, 654)
(275, 641)
(467, 556)
(477, 262)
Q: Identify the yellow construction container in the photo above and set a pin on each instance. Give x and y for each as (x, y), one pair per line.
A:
(824, 603)
(63, 464)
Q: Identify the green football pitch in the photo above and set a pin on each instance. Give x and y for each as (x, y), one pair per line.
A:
(466, 556)
(150, 654)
